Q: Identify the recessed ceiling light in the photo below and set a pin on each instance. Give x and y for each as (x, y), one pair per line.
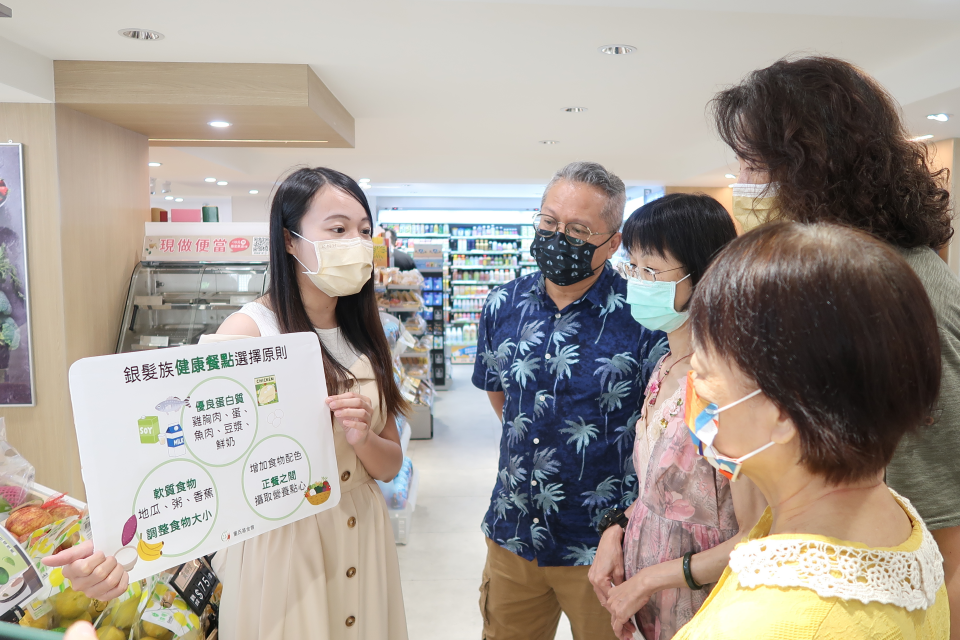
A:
(141, 34)
(220, 124)
(178, 199)
(154, 164)
(939, 117)
(209, 179)
(222, 183)
(362, 180)
(169, 198)
(617, 49)
(549, 142)
(253, 192)
(919, 138)
(575, 109)
(729, 176)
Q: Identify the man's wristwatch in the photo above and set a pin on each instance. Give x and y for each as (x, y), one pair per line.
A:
(611, 517)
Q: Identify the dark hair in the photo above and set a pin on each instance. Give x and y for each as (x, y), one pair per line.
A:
(390, 231)
(835, 328)
(692, 227)
(357, 315)
(833, 141)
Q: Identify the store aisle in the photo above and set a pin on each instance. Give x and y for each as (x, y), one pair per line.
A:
(442, 563)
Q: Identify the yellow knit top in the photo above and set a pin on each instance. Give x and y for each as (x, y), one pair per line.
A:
(799, 587)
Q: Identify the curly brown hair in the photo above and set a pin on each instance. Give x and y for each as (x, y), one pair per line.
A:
(832, 139)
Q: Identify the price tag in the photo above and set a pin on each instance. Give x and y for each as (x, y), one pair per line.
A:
(195, 582)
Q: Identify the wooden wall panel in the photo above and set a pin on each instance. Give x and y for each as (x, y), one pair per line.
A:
(104, 201)
(44, 434)
(87, 199)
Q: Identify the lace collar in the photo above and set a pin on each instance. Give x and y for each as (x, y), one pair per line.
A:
(908, 579)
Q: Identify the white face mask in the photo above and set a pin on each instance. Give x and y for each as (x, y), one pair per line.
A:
(752, 203)
(343, 266)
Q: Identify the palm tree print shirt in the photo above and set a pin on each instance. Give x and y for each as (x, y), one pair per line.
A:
(573, 382)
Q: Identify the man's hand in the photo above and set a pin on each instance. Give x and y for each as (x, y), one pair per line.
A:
(607, 565)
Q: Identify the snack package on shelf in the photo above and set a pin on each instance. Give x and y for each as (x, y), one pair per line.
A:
(392, 328)
(395, 277)
(415, 324)
(400, 300)
(16, 474)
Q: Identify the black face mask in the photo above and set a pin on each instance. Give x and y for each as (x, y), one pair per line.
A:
(562, 263)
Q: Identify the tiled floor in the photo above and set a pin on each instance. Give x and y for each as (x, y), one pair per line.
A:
(442, 562)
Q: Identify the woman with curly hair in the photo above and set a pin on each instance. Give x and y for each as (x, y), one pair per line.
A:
(820, 140)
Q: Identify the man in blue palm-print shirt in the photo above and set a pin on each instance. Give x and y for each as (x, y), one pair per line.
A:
(565, 366)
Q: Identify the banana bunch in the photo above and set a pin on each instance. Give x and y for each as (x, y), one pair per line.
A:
(149, 551)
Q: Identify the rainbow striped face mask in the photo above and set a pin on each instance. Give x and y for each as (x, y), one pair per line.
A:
(702, 421)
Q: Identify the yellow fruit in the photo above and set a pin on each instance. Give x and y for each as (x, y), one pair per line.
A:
(97, 606)
(56, 577)
(156, 631)
(110, 633)
(85, 616)
(43, 622)
(125, 614)
(71, 604)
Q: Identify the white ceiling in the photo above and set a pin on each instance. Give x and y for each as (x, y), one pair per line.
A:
(455, 92)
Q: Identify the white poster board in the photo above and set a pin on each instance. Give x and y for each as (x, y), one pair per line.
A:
(188, 450)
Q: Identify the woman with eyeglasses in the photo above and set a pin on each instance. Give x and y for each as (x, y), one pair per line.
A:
(653, 574)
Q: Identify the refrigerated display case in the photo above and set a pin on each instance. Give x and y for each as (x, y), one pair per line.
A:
(172, 304)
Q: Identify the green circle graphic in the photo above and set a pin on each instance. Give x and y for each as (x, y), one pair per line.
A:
(217, 498)
(247, 461)
(256, 424)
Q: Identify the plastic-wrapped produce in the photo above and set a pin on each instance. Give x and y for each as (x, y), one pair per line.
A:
(397, 490)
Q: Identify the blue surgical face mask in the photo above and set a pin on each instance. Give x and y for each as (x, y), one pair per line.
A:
(652, 304)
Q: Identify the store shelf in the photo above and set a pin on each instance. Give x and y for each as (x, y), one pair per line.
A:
(404, 287)
(453, 237)
(465, 321)
(423, 235)
(528, 264)
(403, 309)
(493, 283)
(479, 296)
(483, 253)
(472, 267)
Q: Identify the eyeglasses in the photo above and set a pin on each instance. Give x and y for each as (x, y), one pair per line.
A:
(646, 274)
(576, 233)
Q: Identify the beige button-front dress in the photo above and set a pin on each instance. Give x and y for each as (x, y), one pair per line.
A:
(333, 576)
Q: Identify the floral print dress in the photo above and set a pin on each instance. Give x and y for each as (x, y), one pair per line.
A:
(684, 505)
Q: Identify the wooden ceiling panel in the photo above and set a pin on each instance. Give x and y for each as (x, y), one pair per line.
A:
(271, 105)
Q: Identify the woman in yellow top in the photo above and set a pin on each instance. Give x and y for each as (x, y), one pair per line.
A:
(815, 350)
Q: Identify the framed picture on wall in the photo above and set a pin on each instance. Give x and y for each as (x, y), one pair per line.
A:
(16, 342)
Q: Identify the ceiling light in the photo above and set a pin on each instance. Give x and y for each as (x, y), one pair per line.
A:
(222, 183)
(919, 138)
(168, 198)
(939, 117)
(209, 179)
(732, 185)
(549, 142)
(178, 199)
(575, 109)
(729, 176)
(362, 180)
(617, 49)
(154, 164)
(253, 192)
(220, 124)
(141, 34)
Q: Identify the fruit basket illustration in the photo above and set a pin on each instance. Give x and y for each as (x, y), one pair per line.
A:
(318, 492)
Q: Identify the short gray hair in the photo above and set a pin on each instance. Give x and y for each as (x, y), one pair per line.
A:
(595, 175)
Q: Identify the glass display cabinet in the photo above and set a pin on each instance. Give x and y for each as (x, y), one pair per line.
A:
(172, 304)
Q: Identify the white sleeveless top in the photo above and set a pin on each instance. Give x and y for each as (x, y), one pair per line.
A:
(332, 339)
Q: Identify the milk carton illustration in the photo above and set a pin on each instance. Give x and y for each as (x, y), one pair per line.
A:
(175, 445)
